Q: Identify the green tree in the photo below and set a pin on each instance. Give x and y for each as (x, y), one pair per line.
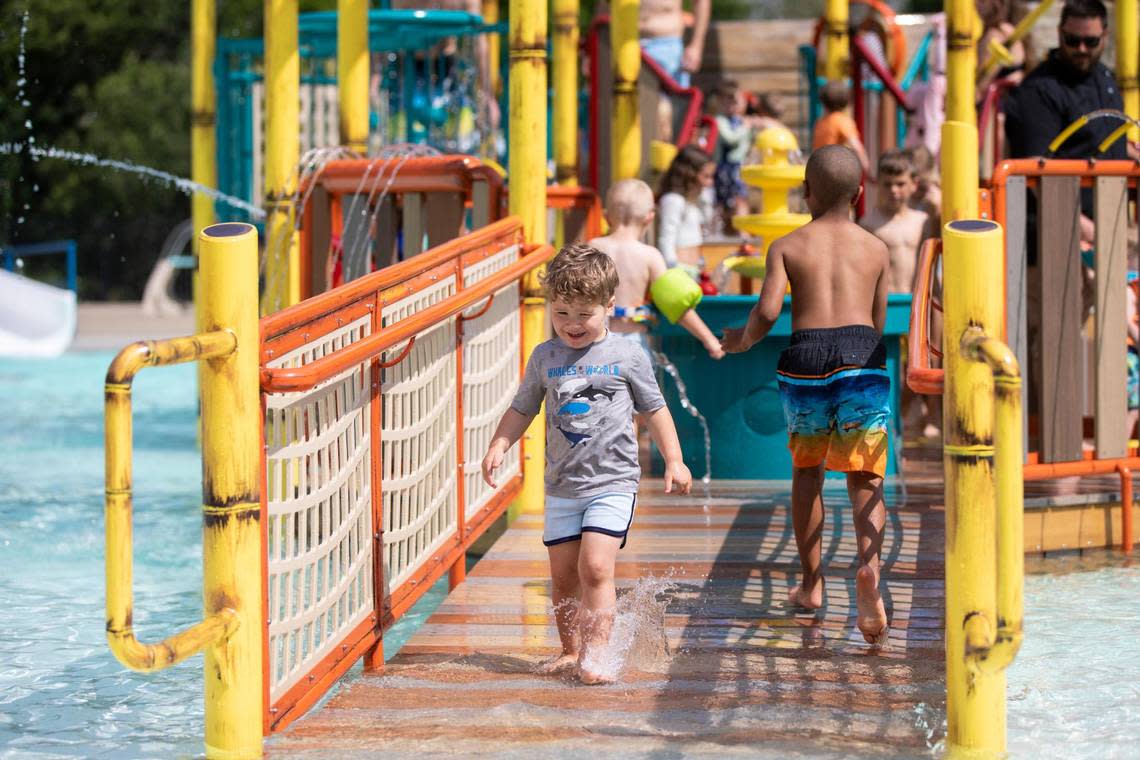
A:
(110, 78)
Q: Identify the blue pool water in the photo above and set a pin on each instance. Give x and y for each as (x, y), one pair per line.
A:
(1075, 685)
(62, 693)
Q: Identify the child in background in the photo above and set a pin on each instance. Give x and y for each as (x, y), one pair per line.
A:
(679, 218)
(836, 127)
(766, 110)
(629, 211)
(928, 189)
(833, 378)
(894, 221)
(592, 384)
(734, 139)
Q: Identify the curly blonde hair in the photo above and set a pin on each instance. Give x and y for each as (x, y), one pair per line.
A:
(580, 273)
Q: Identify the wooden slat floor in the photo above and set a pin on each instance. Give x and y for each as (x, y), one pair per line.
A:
(723, 667)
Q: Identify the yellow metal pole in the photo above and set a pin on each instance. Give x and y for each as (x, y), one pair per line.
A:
(972, 267)
(566, 92)
(491, 16)
(117, 426)
(626, 139)
(203, 117)
(1009, 480)
(282, 148)
(527, 182)
(1128, 59)
(231, 500)
(960, 130)
(352, 73)
(835, 35)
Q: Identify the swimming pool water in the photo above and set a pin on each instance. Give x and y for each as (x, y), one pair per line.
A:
(1075, 685)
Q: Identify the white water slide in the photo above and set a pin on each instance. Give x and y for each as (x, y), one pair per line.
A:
(35, 319)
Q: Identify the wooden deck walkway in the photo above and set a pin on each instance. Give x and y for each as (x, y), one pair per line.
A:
(721, 664)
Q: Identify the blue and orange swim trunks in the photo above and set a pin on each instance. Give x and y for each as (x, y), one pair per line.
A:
(836, 395)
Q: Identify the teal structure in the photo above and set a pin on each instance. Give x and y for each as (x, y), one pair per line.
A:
(401, 43)
(738, 394)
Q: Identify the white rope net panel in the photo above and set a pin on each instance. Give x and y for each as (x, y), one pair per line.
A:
(418, 443)
(319, 497)
(490, 377)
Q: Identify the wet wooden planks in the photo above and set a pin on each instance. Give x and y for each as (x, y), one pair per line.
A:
(720, 660)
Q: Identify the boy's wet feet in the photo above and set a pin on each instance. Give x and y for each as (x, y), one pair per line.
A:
(558, 664)
(807, 598)
(594, 679)
(872, 615)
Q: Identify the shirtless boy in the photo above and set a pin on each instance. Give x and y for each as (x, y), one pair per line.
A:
(629, 211)
(661, 26)
(898, 222)
(894, 221)
(833, 378)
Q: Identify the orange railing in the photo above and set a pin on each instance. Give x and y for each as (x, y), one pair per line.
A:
(581, 211)
(376, 394)
(1115, 182)
(362, 203)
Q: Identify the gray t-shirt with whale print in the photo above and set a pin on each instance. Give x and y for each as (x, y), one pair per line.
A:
(591, 395)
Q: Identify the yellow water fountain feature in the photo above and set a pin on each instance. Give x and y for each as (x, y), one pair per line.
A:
(776, 175)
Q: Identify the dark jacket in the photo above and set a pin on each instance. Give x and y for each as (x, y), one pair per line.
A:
(1051, 98)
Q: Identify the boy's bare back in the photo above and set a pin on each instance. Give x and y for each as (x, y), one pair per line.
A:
(638, 264)
(838, 274)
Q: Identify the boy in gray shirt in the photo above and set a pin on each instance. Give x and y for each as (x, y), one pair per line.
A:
(592, 382)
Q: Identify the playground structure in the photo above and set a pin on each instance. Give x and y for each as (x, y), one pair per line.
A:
(370, 398)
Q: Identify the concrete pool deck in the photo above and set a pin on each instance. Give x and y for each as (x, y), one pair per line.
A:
(109, 326)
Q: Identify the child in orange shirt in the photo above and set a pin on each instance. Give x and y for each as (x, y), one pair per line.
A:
(836, 127)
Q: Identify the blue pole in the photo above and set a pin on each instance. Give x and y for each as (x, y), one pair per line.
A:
(72, 268)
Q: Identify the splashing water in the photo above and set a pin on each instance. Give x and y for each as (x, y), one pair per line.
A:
(170, 180)
(21, 97)
(671, 370)
(637, 638)
(377, 177)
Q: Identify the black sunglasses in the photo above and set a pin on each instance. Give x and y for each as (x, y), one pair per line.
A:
(1075, 40)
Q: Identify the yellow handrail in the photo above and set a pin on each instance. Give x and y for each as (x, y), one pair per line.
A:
(231, 635)
(999, 53)
(994, 650)
(117, 413)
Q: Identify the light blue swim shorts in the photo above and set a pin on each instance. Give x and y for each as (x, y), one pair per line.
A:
(667, 51)
(567, 519)
(640, 338)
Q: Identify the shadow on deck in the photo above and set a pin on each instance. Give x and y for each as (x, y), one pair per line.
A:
(729, 669)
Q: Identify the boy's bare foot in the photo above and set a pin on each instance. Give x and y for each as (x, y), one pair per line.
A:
(872, 615)
(807, 598)
(594, 679)
(559, 663)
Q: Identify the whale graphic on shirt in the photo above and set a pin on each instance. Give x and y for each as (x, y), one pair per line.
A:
(572, 437)
(593, 394)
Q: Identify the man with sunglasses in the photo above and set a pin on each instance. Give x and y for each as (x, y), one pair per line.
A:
(1070, 83)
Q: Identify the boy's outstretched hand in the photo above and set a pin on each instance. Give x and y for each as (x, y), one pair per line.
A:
(492, 462)
(734, 341)
(716, 351)
(678, 475)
